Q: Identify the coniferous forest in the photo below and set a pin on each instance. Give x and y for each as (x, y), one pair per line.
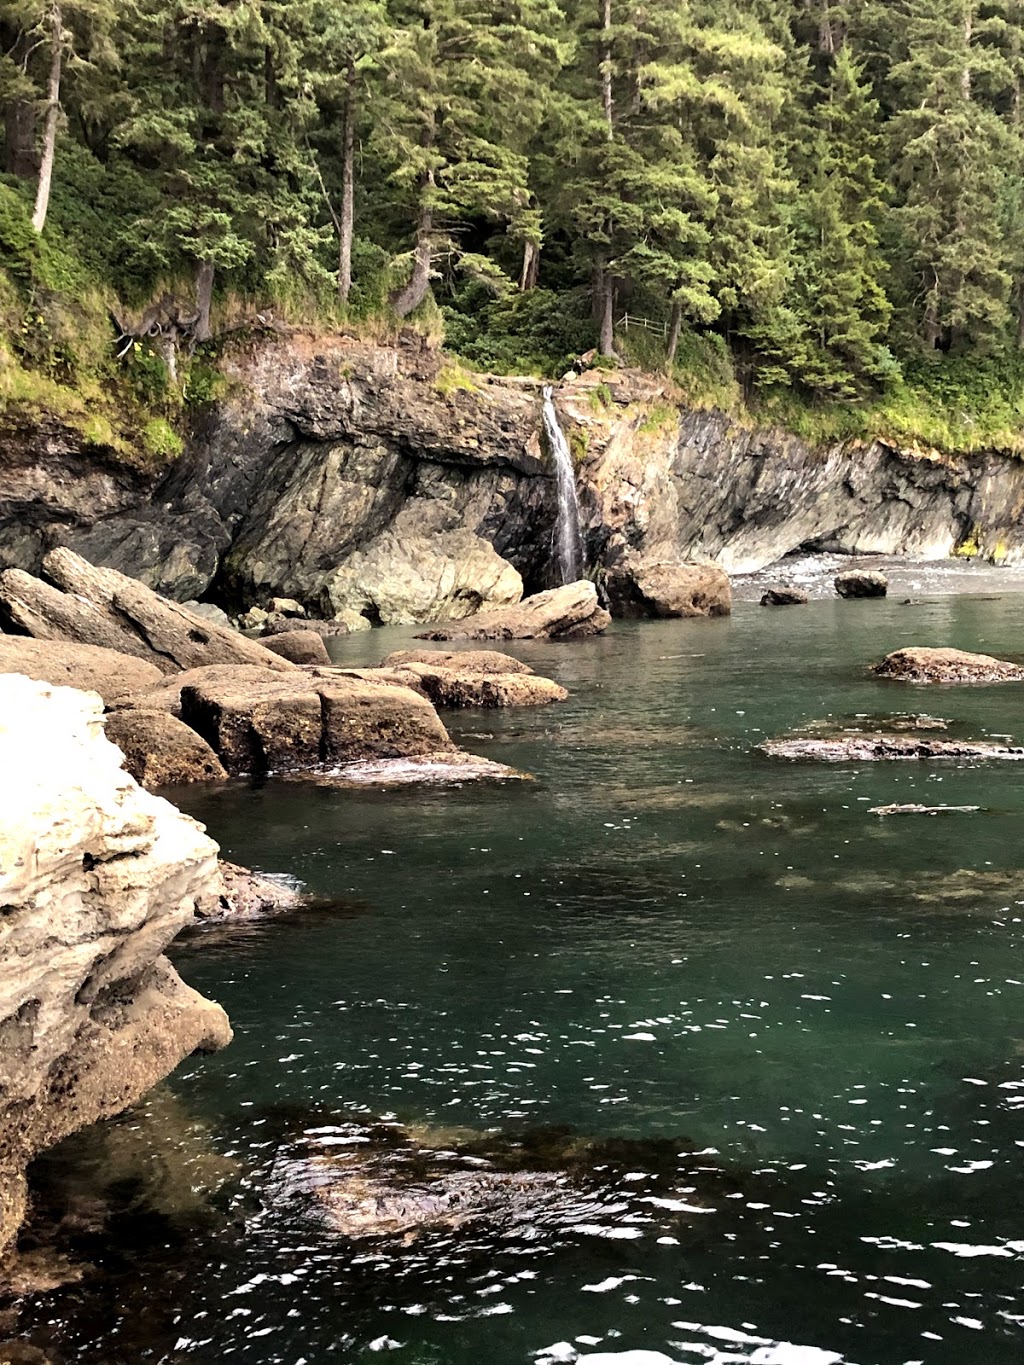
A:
(804, 198)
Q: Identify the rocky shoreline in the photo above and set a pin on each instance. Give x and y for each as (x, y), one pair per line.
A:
(357, 481)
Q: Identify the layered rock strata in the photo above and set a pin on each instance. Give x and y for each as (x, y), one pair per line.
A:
(96, 878)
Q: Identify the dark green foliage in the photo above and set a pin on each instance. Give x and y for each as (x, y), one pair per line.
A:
(820, 201)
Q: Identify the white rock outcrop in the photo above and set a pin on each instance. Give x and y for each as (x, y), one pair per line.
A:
(97, 877)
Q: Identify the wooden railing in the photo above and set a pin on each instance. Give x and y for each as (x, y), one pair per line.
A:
(661, 328)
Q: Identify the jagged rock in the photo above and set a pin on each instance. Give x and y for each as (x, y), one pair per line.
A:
(85, 605)
(639, 588)
(253, 619)
(300, 646)
(160, 751)
(266, 724)
(947, 666)
(90, 668)
(96, 878)
(350, 621)
(854, 748)
(412, 574)
(282, 625)
(286, 606)
(464, 660)
(784, 597)
(456, 687)
(861, 583)
(249, 895)
(565, 613)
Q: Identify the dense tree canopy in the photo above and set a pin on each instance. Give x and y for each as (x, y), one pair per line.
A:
(832, 190)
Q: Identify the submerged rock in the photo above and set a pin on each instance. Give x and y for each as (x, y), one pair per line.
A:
(450, 767)
(81, 604)
(161, 751)
(866, 748)
(861, 583)
(246, 895)
(380, 1180)
(96, 879)
(565, 613)
(947, 666)
(90, 668)
(669, 590)
(785, 597)
(923, 810)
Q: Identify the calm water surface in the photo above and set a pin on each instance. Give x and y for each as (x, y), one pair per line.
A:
(665, 936)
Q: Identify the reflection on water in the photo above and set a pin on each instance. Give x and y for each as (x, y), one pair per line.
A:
(795, 1017)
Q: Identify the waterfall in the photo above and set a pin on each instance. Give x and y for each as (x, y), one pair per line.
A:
(568, 532)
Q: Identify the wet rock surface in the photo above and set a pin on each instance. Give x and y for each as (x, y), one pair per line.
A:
(868, 748)
(857, 583)
(247, 895)
(785, 597)
(947, 666)
(160, 751)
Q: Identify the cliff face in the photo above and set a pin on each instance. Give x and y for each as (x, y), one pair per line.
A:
(96, 878)
(384, 480)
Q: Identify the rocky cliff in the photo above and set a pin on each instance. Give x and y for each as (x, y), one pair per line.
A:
(383, 479)
(96, 878)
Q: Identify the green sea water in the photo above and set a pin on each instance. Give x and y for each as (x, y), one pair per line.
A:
(665, 935)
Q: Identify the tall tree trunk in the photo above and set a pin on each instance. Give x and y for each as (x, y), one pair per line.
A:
(606, 311)
(205, 277)
(530, 272)
(52, 118)
(346, 221)
(965, 75)
(607, 100)
(675, 327)
(411, 295)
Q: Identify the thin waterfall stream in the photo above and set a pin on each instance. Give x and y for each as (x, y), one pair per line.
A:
(568, 531)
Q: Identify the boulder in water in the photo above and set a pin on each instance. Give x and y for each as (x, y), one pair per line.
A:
(259, 724)
(160, 751)
(246, 895)
(785, 597)
(568, 613)
(947, 666)
(455, 687)
(468, 661)
(669, 590)
(861, 583)
(90, 668)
